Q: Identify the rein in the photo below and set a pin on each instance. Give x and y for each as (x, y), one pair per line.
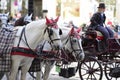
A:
(27, 43)
(74, 50)
(19, 49)
(45, 54)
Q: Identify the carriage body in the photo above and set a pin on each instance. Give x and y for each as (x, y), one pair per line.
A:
(100, 58)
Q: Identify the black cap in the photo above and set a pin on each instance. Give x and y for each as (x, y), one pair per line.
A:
(101, 5)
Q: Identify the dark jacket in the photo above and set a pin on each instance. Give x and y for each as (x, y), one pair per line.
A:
(97, 20)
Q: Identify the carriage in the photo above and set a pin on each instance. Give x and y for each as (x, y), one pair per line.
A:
(100, 57)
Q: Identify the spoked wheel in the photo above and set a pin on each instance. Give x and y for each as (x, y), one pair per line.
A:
(90, 69)
(112, 70)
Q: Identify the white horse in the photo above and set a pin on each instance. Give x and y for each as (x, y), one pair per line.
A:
(71, 44)
(26, 41)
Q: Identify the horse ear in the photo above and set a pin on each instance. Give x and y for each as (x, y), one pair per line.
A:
(79, 29)
(47, 20)
(7, 14)
(31, 15)
(56, 20)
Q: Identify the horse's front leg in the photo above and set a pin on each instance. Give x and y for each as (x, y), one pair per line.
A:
(49, 65)
(25, 68)
(14, 68)
(39, 75)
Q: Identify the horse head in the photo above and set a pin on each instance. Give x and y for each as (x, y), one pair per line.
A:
(73, 45)
(4, 18)
(52, 33)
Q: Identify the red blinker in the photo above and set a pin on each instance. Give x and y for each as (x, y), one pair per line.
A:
(52, 22)
(48, 21)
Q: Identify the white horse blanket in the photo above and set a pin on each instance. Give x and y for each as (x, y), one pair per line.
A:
(6, 44)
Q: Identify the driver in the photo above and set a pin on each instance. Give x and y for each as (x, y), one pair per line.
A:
(98, 22)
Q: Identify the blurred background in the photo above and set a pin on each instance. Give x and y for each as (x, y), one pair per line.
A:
(79, 11)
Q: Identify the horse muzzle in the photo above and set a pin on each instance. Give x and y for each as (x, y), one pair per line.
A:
(80, 57)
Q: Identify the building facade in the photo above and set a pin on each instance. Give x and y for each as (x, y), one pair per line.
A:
(78, 10)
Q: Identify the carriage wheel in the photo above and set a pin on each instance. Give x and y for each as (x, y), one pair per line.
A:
(108, 67)
(90, 70)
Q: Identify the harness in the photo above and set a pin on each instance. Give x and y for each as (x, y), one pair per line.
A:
(47, 54)
(67, 53)
(21, 50)
(51, 40)
(29, 51)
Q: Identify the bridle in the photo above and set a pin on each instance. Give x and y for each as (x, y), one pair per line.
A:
(73, 49)
(50, 33)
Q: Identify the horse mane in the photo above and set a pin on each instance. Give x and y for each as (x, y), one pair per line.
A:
(19, 22)
(40, 24)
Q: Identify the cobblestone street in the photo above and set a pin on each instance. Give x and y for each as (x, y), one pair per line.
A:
(55, 76)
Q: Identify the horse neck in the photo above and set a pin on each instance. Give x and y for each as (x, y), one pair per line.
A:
(34, 35)
(65, 34)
